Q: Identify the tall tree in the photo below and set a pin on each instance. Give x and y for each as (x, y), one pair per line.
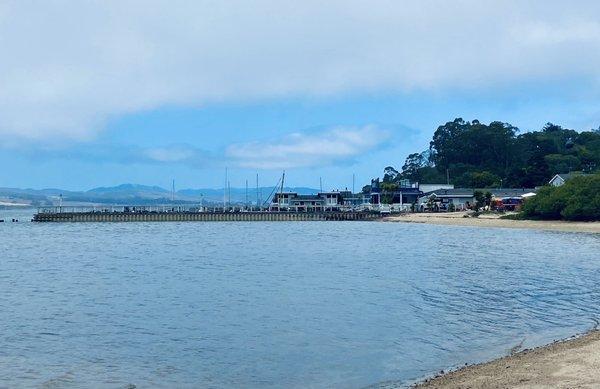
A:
(411, 168)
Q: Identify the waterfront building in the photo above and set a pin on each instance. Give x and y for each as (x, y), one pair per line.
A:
(442, 199)
(401, 199)
(322, 201)
(464, 198)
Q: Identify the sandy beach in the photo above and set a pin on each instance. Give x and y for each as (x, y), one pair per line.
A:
(573, 363)
(458, 219)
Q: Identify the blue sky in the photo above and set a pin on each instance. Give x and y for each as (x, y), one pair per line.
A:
(99, 94)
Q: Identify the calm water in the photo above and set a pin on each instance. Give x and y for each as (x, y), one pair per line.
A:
(259, 305)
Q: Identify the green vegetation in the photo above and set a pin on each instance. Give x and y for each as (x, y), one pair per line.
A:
(577, 200)
(513, 216)
(478, 155)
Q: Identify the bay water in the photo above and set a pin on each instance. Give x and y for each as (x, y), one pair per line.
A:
(281, 304)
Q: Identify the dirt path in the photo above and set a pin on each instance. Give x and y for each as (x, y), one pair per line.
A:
(573, 363)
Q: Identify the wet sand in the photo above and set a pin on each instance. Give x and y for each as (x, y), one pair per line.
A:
(458, 219)
(573, 363)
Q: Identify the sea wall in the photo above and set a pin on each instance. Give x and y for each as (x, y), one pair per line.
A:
(200, 216)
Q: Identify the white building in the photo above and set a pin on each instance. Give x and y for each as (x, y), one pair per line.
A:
(460, 198)
(560, 179)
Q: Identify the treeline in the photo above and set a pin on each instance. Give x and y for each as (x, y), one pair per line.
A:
(477, 155)
(578, 199)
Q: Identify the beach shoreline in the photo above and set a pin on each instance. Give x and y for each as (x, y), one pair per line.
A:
(569, 363)
(493, 221)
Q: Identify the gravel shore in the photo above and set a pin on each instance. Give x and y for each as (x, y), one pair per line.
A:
(572, 363)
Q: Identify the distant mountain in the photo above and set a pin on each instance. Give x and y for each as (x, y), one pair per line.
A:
(129, 191)
(32, 197)
(133, 194)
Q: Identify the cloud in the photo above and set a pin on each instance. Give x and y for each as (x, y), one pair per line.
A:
(314, 148)
(69, 67)
(332, 146)
(171, 154)
(100, 153)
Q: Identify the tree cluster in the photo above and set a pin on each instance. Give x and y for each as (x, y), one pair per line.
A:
(477, 155)
(577, 199)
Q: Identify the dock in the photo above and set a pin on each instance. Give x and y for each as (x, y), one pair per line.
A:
(191, 214)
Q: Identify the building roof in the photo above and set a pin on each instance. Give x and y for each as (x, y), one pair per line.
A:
(496, 192)
(430, 187)
(508, 192)
(457, 192)
(567, 176)
(407, 191)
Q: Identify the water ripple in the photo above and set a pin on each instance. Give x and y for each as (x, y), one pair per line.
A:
(260, 305)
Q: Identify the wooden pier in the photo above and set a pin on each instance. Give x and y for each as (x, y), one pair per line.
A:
(45, 215)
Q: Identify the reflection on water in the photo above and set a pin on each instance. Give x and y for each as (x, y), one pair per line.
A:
(303, 304)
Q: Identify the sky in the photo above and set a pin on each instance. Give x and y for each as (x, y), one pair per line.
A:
(99, 93)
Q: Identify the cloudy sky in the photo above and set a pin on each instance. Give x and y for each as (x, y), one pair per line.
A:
(107, 92)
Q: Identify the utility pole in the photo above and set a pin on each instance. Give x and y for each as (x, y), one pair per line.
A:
(257, 200)
(353, 179)
(321, 184)
(447, 176)
(246, 193)
(173, 191)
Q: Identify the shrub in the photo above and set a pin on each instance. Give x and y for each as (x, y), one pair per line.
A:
(577, 199)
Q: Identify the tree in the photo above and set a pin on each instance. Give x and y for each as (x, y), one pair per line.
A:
(479, 199)
(411, 168)
(390, 174)
(551, 127)
(446, 145)
(488, 199)
(559, 163)
(387, 191)
(479, 155)
(482, 179)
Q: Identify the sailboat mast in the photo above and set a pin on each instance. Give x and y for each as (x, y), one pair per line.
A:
(225, 190)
